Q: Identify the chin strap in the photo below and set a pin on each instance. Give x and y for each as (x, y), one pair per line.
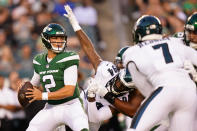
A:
(193, 45)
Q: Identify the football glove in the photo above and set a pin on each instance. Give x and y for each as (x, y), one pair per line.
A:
(188, 66)
(73, 21)
(92, 87)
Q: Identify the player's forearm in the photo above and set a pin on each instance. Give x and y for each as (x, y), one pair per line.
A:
(62, 93)
(88, 48)
(83, 38)
(124, 107)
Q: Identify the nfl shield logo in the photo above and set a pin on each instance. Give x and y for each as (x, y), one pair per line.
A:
(47, 66)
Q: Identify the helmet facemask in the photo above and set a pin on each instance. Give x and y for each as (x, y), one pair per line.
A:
(54, 30)
(60, 46)
(118, 60)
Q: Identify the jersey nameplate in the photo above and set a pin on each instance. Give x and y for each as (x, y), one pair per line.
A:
(150, 42)
(48, 72)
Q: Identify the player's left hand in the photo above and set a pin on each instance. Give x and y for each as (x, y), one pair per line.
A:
(92, 87)
(34, 93)
(70, 15)
(102, 91)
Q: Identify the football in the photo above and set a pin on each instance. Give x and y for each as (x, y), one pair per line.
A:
(21, 94)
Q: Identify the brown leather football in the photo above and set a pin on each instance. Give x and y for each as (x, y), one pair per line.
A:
(21, 94)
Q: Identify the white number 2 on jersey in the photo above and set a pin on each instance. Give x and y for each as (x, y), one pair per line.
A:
(52, 84)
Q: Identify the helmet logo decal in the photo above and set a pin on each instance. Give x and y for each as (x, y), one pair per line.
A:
(47, 29)
(152, 26)
(59, 33)
(189, 27)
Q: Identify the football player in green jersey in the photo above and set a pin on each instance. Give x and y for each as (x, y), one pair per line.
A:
(56, 71)
(189, 36)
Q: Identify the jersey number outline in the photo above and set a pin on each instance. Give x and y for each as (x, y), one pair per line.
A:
(166, 52)
(52, 82)
(124, 98)
(112, 70)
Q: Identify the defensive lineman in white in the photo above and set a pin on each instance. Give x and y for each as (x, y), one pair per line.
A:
(109, 83)
(161, 61)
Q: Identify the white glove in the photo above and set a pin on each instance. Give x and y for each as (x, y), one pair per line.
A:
(73, 21)
(92, 87)
(102, 91)
(188, 66)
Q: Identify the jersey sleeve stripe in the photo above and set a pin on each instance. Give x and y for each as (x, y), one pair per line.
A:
(75, 57)
(35, 62)
(144, 106)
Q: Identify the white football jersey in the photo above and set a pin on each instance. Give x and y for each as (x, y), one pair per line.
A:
(160, 61)
(106, 71)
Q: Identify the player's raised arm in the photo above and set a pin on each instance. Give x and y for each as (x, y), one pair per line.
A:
(85, 42)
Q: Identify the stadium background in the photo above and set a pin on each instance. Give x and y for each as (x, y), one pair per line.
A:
(108, 23)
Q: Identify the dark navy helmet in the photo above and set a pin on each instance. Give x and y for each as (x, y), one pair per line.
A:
(146, 25)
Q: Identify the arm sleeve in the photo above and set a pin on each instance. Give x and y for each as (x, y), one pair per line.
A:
(140, 81)
(35, 80)
(191, 54)
(95, 115)
(70, 75)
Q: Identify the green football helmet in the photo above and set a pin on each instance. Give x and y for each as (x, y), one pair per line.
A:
(190, 26)
(52, 30)
(118, 59)
(146, 25)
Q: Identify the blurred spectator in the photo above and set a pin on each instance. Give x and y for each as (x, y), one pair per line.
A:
(22, 29)
(84, 12)
(169, 12)
(3, 112)
(41, 20)
(87, 17)
(17, 118)
(4, 17)
(42, 5)
(26, 68)
(174, 15)
(6, 22)
(23, 8)
(10, 109)
(98, 1)
(190, 6)
(39, 46)
(2, 40)
(7, 62)
(59, 12)
(59, 6)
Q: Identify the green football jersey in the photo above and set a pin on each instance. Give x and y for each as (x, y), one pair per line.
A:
(52, 73)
